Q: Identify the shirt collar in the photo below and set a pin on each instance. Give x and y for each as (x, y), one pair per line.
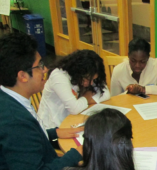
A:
(24, 101)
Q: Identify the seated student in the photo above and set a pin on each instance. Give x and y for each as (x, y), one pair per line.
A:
(24, 142)
(107, 142)
(138, 74)
(77, 80)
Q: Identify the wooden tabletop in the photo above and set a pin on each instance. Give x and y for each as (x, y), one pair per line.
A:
(144, 131)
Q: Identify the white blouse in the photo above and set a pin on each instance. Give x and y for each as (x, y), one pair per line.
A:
(58, 100)
(122, 77)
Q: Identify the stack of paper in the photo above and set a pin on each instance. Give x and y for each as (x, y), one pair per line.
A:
(147, 111)
(145, 158)
(79, 140)
(98, 107)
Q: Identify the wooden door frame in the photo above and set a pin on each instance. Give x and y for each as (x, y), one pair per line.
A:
(80, 44)
(152, 27)
(125, 35)
(125, 27)
(59, 37)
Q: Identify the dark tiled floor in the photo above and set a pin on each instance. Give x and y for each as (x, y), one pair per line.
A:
(50, 53)
(3, 31)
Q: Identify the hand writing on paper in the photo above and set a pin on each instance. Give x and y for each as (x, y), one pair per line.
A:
(135, 89)
(68, 132)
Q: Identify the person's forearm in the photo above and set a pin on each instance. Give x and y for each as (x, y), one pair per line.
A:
(88, 95)
(70, 159)
(151, 89)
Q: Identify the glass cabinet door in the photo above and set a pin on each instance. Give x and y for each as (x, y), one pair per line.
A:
(89, 13)
(63, 26)
(84, 21)
(109, 26)
(141, 19)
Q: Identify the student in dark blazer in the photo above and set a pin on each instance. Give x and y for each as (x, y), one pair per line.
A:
(24, 142)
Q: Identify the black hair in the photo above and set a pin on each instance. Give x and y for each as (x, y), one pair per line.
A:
(83, 64)
(107, 142)
(139, 44)
(17, 52)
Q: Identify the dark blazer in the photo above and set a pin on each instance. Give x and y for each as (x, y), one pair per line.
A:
(23, 144)
(73, 168)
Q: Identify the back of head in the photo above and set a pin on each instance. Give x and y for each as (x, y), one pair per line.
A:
(17, 52)
(83, 64)
(107, 142)
(139, 44)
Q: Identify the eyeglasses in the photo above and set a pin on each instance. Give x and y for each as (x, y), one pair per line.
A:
(40, 65)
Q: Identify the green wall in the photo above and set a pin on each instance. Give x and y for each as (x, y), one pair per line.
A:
(155, 29)
(36, 7)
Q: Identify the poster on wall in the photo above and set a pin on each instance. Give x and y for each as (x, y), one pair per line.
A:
(5, 7)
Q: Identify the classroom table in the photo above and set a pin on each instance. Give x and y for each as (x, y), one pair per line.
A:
(144, 131)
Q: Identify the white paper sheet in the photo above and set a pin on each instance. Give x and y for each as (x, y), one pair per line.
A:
(5, 7)
(145, 160)
(150, 149)
(80, 138)
(147, 111)
(98, 107)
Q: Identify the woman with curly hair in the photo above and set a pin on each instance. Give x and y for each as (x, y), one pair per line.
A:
(76, 81)
(107, 142)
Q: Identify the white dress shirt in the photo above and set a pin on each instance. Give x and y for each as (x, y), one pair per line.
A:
(58, 100)
(27, 104)
(122, 77)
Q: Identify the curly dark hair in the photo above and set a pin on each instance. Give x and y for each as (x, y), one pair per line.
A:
(83, 64)
(17, 52)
